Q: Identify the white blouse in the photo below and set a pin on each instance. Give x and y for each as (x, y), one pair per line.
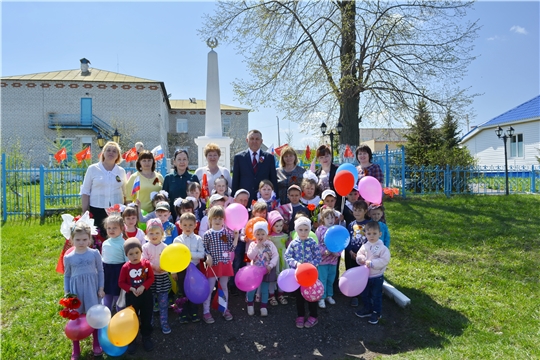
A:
(104, 187)
(212, 177)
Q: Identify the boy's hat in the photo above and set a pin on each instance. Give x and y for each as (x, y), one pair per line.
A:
(302, 221)
(241, 191)
(216, 197)
(294, 187)
(154, 223)
(273, 217)
(260, 225)
(131, 243)
(163, 205)
(327, 192)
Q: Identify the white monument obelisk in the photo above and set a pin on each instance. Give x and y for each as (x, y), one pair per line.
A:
(213, 130)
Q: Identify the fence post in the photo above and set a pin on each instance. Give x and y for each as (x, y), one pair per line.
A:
(386, 168)
(42, 192)
(533, 180)
(447, 181)
(403, 171)
(4, 187)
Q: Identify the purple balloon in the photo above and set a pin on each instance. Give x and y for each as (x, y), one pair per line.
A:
(354, 281)
(196, 285)
(287, 281)
(249, 277)
(370, 189)
(236, 216)
(78, 329)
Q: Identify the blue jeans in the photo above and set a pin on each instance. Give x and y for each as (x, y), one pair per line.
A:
(372, 294)
(264, 293)
(327, 274)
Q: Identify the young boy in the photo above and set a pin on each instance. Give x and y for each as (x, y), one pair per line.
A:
(353, 196)
(356, 231)
(163, 212)
(294, 193)
(329, 199)
(136, 277)
(194, 242)
(215, 199)
(376, 213)
(376, 257)
(240, 197)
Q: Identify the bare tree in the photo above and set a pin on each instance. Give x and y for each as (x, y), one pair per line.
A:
(348, 59)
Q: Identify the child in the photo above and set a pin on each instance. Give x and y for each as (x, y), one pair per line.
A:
(356, 230)
(161, 286)
(194, 190)
(131, 218)
(83, 276)
(183, 206)
(221, 187)
(303, 250)
(242, 197)
(156, 197)
(262, 252)
(214, 200)
(266, 193)
(113, 257)
(376, 213)
(294, 194)
(348, 208)
(309, 186)
(218, 245)
(376, 257)
(280, 240)
(136, 278)
(163, 213)
(194, 242)
(329, 260)
(329, 200)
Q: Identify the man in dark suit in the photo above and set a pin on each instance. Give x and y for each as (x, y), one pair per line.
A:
(252, 166)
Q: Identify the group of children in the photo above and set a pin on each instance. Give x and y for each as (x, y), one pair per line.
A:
(281, 237)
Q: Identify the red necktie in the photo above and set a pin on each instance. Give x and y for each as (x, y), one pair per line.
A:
(254, 163)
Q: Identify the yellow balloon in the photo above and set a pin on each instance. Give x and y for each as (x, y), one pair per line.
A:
(175, 258)
(123, 327)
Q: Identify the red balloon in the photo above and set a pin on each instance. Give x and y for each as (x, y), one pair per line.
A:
(78, 329)
(343, 182)
(306, 274)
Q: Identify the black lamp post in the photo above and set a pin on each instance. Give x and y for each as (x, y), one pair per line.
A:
(509, 133)
(331, 133)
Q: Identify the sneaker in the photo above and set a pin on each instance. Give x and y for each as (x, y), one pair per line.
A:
(311, 322)
(250, 310)
(331, 300)
(208, 318)
(272, 300)
(374, 318)
(165, 329)
(264, 312)
(322, 305)
(183, 319)
(148, 344)
(195, 318)
(300, 322)
(132, 348)
(282, 300)
(227, 315)
(354, 302)
(156, 307)
(363, 313)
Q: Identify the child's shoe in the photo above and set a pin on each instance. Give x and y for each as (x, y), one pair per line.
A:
(208, 318)
(227, 315)
(132, 348)
(147, 343)
(300, 322)
(97, 350)
(183, 319)
(75, 357)
(354, 302)
(363, 313)
(264, 312)
(311, 322)
(322, 305)
(374, 318)
(250, 310)
(282, 300)
(195, 318)
(331, 300)
(165, 329)
(272, 300)
(156, 306)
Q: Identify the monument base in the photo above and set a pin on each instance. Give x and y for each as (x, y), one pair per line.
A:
(224, 144)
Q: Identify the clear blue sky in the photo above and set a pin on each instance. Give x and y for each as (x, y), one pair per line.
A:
(159, 41)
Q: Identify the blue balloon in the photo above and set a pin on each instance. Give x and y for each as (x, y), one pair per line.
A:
(107, 346)
(336, 238)
(350, 168)
(196, 285)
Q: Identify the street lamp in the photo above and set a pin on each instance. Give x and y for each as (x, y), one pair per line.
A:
(116, 136)
(331, 133)
(509, 134)
(100, 140)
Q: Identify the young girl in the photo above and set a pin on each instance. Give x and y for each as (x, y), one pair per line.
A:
(113, 258)
(194, 190)
(262, 252)
(376, 213)
(221, 187)
(327, 268)
(131, 218)
(301, 250)
(218, 245)
(266, 193)
(83, 276)
(183, 206)
(280, 240)
(151, 251)
(357, 238)
(309, 186)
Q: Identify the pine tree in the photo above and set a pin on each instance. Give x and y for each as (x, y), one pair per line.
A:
(423, 139)
(449, 131)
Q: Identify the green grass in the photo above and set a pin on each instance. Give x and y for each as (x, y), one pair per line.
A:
(470, 265)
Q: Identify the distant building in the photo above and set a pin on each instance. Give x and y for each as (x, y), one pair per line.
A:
(377, 138)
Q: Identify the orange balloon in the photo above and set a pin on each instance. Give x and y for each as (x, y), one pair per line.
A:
(343, 182)
(306, 274)
(249, 227)
(123, 327)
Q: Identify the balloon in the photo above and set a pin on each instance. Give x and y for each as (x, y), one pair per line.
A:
(350, 168)
(175, 258)
(123, 327)
(236, 216)
(314, 292)
(343, 183)
(106, 344)
(249, 227)
(354, 281)
(370, 189)
(142, 225)
(336, 238)
(196, 285)
(78, 329)
(286, 281)
(306, 274)
(249, 277)
(98, 316)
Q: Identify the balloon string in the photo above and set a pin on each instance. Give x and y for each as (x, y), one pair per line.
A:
(342, 204)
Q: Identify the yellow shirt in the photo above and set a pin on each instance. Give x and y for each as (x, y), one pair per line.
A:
(147, 186)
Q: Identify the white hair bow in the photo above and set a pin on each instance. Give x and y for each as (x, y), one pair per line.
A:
(161, 192)
(68, 224)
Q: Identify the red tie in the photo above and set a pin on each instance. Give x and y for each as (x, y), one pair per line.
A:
(254, 163)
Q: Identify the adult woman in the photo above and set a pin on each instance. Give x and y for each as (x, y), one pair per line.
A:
(289, 173)
(212, 153)
(176, 183)
(104, 184)
(326, 172)
(149, 179)
(366, 167)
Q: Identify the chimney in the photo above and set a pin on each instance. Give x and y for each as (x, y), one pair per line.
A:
(84, 66)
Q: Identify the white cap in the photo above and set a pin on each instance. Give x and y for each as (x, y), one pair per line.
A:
(302, 221)
(216, 197)
(241, 191)
(327, 192)
(260, 225)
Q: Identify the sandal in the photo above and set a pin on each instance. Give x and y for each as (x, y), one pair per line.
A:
(300, 322)
(282, 300)
(272, 300)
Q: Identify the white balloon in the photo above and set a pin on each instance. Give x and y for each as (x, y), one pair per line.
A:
(98, 316)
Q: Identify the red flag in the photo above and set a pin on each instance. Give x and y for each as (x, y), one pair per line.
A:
(205, 192)
(308, 153)
(130, 155)
(61, 155)
(348, 152)
(278, 149)
(84, 154)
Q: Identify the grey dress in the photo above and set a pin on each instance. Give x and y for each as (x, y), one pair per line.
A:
(286, 179)
(83, 276)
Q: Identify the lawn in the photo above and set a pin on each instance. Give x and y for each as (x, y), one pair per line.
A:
(470, 265)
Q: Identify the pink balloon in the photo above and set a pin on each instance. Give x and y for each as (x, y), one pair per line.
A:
(314, 292)
(370, 189)
(354, 281)
(78, 329)
(287, 281)
(249, 277)
(236, 216)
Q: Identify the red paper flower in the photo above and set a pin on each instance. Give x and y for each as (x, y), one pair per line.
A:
(311, 207)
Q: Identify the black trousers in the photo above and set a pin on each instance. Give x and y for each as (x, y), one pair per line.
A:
(301, 305)
(143, 305)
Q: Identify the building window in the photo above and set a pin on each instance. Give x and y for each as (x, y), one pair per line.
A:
(181, 125)
(516, 146)
(226, 127)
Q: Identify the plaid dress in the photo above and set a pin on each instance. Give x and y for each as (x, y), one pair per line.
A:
(219, 245)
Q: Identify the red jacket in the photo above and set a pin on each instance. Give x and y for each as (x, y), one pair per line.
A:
(135, 275)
